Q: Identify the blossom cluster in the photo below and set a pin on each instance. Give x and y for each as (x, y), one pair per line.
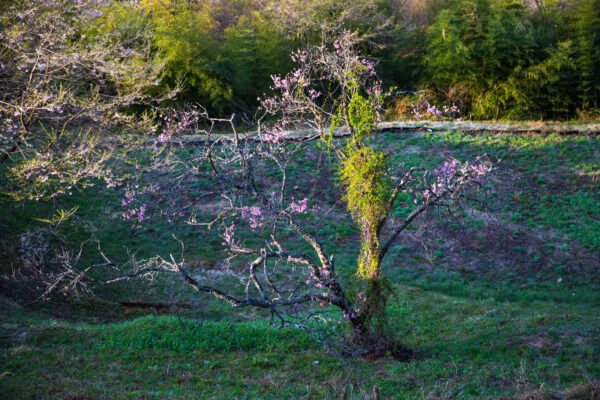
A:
(299, 207)
(252, 215)
(447, 172)
(377, 96)
(275, 133)
(299, 56)
(432, 111)
(289, 82)
(134, 211)
(370, 66)
(228, 239)
(179, 122)
(291, 92)
(311, 281)
(276, 244)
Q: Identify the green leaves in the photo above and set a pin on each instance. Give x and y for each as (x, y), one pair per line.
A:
(59, 216)
(224, 52)
(498, 59)
(362, 116)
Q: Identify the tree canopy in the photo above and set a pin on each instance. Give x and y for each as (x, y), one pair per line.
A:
(511, 59)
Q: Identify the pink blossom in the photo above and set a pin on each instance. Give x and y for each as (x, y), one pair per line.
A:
(299, 207)
(252, 215)
(228, 239)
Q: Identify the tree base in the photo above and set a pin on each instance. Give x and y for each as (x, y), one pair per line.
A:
(374, 348)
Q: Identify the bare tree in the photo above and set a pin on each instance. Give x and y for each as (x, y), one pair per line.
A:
(67, 80)
(335, 96)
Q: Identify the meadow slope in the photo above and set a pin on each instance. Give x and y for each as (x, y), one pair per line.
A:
(497, 301)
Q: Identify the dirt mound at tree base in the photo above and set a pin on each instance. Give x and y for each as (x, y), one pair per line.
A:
(373, 348)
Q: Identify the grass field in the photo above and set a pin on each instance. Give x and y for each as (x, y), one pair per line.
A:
(498, 301)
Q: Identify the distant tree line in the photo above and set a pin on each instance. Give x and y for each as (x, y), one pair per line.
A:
(494, 59)
(510, 59)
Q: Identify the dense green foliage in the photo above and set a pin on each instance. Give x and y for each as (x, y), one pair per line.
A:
(507, 59)
(222, 52)
(501, 59)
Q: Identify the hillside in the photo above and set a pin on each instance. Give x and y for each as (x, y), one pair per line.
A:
(496, 302)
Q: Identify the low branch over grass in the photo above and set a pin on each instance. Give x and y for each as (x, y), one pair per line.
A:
(285, 268)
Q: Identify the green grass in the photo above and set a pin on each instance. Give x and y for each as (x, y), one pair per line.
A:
(184, 336)
(491, 307)
(469, 348)
(553, 163)
(577, 215)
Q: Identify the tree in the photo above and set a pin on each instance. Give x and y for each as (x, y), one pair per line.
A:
(542, 89)
(335, 93)
(183, 37)
(66, 83)
(474, 45)
(587, 36)
(309, 20)
(252, 50)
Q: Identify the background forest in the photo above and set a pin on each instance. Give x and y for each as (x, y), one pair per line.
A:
(494, 59)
